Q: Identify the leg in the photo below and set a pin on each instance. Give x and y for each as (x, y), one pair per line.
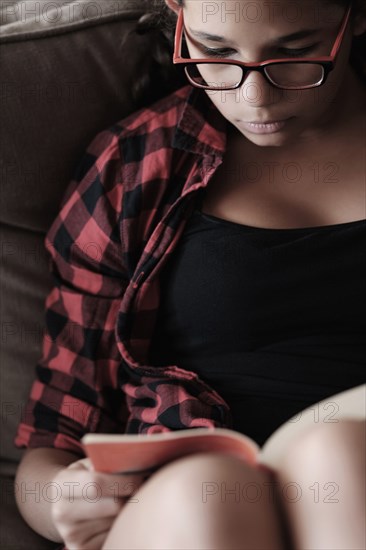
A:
(324, 473)
(204, 501)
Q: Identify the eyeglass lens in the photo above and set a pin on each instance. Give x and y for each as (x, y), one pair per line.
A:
(225, 76)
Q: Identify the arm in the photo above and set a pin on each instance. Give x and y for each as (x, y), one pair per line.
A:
(76, 389)
(37, 468)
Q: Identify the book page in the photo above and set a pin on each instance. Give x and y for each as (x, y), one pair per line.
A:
(348, 404)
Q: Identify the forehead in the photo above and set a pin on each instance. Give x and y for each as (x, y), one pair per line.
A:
(231, 18)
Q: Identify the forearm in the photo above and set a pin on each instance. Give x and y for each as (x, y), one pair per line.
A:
(34, 490)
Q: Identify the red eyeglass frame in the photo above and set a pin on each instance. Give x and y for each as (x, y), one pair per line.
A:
(327, 61)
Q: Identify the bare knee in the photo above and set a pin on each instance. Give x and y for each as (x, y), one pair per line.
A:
(221, 495)
(205, 500)
(201, 476)
(327, 441)
(326, 465)
(203, 482)
(322, 481)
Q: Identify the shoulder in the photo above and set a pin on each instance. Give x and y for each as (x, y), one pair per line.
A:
(158, 117)
(122, 147)
(115, 155)
(164, 112)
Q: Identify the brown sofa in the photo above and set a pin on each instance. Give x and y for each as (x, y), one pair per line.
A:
(67, 72)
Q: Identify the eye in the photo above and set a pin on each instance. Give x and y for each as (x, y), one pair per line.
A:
(220, 52)
(229, 52)
(298, 52)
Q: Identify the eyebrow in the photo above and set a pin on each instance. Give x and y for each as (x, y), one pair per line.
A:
(305, 33)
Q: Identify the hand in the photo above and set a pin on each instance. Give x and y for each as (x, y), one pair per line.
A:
(88, 503)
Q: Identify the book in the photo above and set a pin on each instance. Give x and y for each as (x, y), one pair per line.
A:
(146, 453)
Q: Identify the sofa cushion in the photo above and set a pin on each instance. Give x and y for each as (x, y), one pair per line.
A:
(24, 282)
(59, 89)
(15, 534)
(67, 73)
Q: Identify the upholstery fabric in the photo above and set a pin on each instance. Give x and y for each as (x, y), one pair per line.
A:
(61, 85)
(67, 73)
(15, 533)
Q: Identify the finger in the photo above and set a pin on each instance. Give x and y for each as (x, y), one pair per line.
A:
(94, 485)
(98, 525)
(87, 534)
(80, 509)
(109, 486)
(96, 542)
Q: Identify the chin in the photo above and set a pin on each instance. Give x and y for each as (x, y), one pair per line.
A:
(269, 140)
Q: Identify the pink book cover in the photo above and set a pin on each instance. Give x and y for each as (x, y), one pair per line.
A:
(120, 453)
(126, 453)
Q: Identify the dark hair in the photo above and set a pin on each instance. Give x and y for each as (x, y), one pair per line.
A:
(159, 76)
(357, 57)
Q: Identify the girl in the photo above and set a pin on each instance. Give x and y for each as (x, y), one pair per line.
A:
(227, 291)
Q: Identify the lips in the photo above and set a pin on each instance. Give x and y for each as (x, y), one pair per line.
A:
(266, 127)
(266, 121)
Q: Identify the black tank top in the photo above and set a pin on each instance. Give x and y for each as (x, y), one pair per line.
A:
(272, 319)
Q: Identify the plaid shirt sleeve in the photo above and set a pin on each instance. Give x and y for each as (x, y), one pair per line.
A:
(76, 388)
(120, 219)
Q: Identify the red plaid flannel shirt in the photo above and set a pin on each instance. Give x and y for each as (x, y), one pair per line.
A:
(120, 219)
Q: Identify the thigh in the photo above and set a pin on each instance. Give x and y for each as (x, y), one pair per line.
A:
(206, 500)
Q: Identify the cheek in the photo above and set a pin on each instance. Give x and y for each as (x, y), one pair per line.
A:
(327, 95)
(338, 76)
(287, 102)
(324, 97)
(226, 102)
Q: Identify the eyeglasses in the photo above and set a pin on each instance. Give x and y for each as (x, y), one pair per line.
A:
(285, 74)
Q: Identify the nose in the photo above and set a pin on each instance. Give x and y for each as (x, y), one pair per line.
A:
(257, 91)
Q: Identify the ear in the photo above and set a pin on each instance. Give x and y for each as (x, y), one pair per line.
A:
(173, 5)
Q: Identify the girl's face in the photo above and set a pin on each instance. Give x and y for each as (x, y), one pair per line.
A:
(257, 31)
